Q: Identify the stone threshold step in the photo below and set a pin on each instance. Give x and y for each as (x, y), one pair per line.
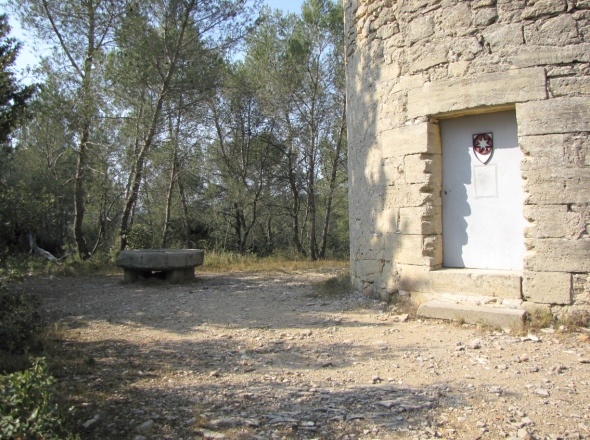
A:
(473, 314)
(490, 283)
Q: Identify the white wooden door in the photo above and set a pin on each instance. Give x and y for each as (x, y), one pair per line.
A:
(483, 222)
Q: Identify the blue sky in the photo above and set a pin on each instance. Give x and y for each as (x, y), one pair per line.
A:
(286, 5)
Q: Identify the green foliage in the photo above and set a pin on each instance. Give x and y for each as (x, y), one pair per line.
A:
(20, 323)
(27, 409)
(13, 98)
(140, 237)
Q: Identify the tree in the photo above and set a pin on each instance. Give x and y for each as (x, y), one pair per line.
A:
(167, 48)
(80, 30)
(14, 101)
(301, 65)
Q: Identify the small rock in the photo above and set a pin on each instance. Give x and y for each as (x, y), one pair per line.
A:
(402, 318)
(533, 369)
(146, 425)
(211, 435)
(228, 422)
(502, 367)
(584, 361)
(306, 333)
(542, 392)
(558, 369)
(584, 338)
(524, 434)
(87, 424)
(475, 344)
(215, 373)
(376, 379)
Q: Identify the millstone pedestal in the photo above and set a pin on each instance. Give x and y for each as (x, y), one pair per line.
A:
(173, 265)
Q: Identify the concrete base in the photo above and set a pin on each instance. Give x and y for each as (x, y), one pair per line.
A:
(473, 314)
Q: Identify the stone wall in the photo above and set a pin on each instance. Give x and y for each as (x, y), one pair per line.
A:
(412, 62)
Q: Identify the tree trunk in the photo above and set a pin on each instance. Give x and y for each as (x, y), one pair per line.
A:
(333, 182)
(149, 139)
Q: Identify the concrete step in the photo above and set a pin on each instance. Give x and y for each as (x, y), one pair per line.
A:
(505, 318)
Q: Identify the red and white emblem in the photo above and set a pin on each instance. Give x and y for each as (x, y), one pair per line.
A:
(483, 146)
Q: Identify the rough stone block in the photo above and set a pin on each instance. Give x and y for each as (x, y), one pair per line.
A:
(426, 56)
(570, 86)
(411, 139)
(557, 255)
(544, 7)
(547, 287)
(501, 35)
(561, 115)
(529, 56)
(420, 28)
(565, 185)
(557, 31)
(516, 85)
(420, 168)
(500, 284)
(418, 250)
(499, 317)
(370, 268)
(409, 196)
(414, 278)
(423, 220)
(387, 221)
(546, 221)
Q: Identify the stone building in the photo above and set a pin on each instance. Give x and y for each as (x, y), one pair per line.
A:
(469, 155)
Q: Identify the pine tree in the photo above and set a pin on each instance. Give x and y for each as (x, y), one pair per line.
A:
(13, 97)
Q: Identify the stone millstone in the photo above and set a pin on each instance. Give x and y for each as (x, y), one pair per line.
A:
(177, 265)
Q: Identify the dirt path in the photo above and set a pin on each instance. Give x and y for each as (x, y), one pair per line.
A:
(251, 356)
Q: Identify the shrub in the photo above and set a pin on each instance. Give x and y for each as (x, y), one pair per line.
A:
(27, 410)
(140, 237)
(20, 323)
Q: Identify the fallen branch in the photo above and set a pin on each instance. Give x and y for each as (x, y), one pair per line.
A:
(39, 251)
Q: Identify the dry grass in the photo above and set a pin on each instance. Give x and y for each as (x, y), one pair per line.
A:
(234, 262)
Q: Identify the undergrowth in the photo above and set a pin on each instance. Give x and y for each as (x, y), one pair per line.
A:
(27, 405)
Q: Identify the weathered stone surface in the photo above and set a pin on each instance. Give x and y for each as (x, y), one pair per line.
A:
(531, 55)
(419, 29)
(178, 265)
(414, 278)
(412, 62)
(564, 185)
(502, 35)
(499, 317)
(562, 29)
(561, 115)
(555, 151)
(546, 221)
(573, 86)
(500, 284)
(556, 255)
(426, 220)
(544, 7)
(547, 287)
(411, 139)
(487, 90)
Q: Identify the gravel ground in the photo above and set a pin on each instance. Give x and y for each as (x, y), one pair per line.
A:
(269, 356)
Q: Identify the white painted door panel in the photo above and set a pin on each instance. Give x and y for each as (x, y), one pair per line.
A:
(483, 222)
